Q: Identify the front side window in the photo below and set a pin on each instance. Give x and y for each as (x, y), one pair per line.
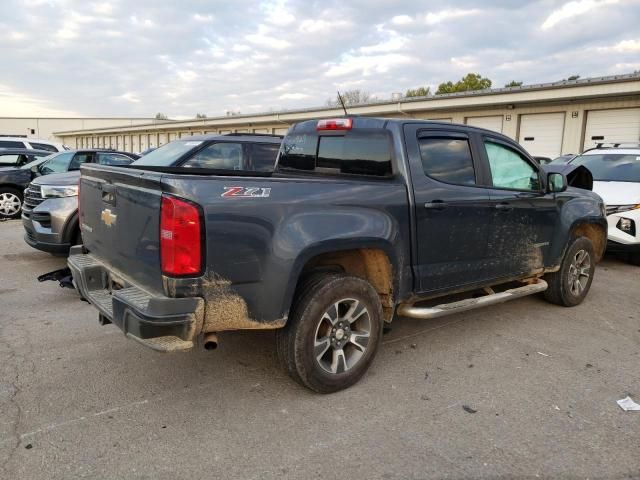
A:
(56, 164)
(509, 169)
(447, 160)
(79, 159)
(221, 156)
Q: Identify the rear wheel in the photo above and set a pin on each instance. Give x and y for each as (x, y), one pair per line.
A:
(10, 203)
(333, 333)
(569, 285)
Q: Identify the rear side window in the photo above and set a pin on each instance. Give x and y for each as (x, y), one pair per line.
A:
(221, 156)
(114, 159)
(43, 146)
(11, 144)
(447, 160)
(263, 156)
(355, 153)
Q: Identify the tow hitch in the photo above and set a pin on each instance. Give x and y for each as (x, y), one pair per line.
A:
(63, 276)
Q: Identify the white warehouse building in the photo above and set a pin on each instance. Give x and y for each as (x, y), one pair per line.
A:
(547, 119)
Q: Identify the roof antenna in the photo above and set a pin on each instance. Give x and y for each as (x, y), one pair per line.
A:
(342, 103)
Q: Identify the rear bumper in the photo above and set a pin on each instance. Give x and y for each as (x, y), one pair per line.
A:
(159, 322)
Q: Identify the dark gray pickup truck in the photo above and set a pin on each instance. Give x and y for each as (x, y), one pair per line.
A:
(362, 220)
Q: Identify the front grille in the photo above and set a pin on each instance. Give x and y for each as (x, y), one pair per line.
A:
(33, 196)
(611, 209)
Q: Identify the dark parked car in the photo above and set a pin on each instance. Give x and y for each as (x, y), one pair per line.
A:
(362, 220)
(50, 212)
(16, 166)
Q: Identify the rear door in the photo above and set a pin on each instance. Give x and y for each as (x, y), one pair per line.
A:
(523, 214)
(81, 158)
(452, 210)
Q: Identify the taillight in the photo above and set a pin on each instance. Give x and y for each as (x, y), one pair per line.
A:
(335, 124)
(180, 238)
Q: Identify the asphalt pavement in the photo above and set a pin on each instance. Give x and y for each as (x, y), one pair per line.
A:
(524, 389)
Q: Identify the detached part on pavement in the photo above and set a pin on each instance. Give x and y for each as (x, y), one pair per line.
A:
(62, 276)
(363, 220)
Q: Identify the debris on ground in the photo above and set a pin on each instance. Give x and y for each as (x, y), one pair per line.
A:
(468, 409)
(543, 354)
(628, 405)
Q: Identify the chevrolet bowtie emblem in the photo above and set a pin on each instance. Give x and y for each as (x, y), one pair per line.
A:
(107, 217)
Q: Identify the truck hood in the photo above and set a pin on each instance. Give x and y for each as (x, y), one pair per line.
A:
(618, 193)
(66, 178)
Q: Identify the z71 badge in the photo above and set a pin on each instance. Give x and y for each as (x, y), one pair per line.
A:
(246, 192)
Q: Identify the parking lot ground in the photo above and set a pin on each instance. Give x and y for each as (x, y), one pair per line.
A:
(523, 389)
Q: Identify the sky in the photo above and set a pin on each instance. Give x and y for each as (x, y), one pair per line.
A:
(124, 58)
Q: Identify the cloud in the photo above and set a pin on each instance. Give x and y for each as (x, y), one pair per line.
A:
(402, 20)
(624, 46)
(294, 96)
(573, 9)
(367, 64)
(433, 18)
(208, 18)
(106, 57)
(14, 103)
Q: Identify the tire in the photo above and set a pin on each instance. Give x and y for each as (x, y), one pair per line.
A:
(319, 347)
(10, 202)
(569, 285)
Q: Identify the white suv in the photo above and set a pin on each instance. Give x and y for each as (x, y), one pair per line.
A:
(31, 143)
(616, 178)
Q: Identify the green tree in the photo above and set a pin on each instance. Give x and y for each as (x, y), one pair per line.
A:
(471, 81)
(161, 116)
(418, 92)
(572, 77)
(513, 83)
(201, 115)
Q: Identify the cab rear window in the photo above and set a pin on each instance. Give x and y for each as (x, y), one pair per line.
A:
(354, 153)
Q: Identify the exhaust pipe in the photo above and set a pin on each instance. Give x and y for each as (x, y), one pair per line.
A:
(210, 341)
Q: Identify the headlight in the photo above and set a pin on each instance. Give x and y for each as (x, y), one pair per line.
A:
(55, 191)
(627, 225)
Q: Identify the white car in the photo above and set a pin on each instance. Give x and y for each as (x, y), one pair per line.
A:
(616, 178)
(32, 143)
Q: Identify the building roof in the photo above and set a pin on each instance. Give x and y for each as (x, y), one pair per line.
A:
(627, 84)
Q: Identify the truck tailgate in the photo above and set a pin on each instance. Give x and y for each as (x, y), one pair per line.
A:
(119, 219)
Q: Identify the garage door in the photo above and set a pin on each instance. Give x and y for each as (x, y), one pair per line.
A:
(493, 122)
(541, 134)
(619, 125)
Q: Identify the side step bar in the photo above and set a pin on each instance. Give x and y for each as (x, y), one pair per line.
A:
(410, 310)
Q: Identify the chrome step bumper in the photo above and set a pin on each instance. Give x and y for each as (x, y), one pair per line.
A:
(410, 310)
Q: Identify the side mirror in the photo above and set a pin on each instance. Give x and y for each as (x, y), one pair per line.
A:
(556, 183)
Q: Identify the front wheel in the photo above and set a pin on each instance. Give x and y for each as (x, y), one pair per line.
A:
(569, 285)
(333, 333)
(10, 203)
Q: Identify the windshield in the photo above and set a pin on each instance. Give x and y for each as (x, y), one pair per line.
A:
(166, 155)
(56, 163)
(611, 167)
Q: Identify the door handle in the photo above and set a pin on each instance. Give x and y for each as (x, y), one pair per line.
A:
(504, 206)
(435, 205)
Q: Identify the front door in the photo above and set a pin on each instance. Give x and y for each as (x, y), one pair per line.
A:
(452, 211)
(524, 215)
